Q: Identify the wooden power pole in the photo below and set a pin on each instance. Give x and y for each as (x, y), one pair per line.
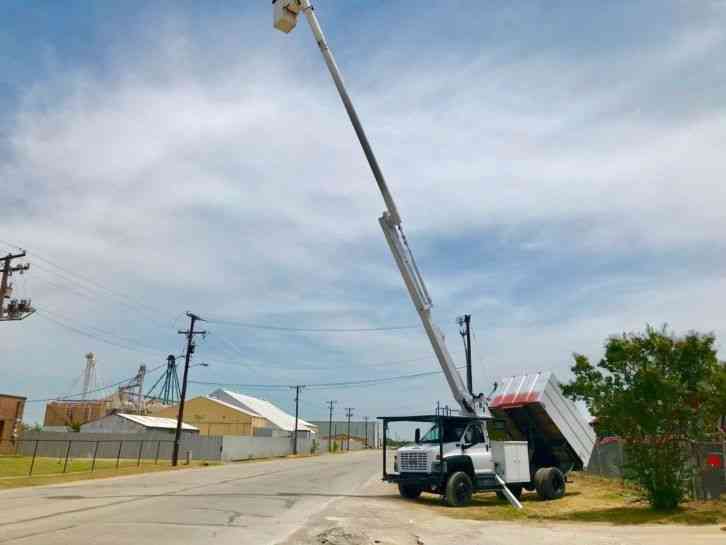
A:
(297, 405)
(187, 358)
(15, 310)
(348, 413)
(330, 424)
(465, 331)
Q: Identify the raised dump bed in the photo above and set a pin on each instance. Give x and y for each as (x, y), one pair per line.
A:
(535, 410)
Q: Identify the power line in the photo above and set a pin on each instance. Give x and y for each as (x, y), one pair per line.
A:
(249, 325)
(100, 330)
(75, 286)
(248, 386)
(373, 381)
(96, 337)
(93, 391)
(333, 366)
(74, 276)
(321, 386)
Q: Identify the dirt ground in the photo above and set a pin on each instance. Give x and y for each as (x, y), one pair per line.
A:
(378, 516)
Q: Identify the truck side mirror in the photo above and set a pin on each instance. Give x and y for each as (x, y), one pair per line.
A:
(417, 435)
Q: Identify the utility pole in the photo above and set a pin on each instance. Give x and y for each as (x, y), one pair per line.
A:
(297, 403)
(348, 413)
(330, 423)
(365, 419)
(465, 332)
(187, 358)
(15, 310)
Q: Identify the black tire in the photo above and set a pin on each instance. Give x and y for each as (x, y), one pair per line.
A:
(515, 489)
(459, 490)
(410, 491)
(550, 483)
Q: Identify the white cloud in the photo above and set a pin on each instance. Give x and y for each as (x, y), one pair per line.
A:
(237, 189)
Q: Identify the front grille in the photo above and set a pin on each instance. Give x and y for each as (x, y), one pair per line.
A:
(413, 461)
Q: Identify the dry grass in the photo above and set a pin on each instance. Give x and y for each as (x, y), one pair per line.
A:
(588, 499)
(14, 470)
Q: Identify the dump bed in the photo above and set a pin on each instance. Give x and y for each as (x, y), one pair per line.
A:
(536, 411)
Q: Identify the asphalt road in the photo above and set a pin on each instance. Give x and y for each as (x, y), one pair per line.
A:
(258, 502)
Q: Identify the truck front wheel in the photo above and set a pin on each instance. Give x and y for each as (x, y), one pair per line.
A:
(550, 483)
(458, 490)
(410, 491)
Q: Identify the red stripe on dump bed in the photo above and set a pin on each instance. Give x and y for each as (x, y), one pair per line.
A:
(514, 399)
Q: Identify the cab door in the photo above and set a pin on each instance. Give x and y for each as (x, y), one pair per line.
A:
(475, 444)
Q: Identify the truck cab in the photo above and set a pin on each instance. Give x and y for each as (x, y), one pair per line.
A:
(456, 458)
(460, 437)
(546, 438)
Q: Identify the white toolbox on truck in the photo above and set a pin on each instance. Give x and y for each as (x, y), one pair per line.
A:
(511, 460)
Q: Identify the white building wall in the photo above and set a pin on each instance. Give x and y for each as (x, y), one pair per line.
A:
(235, 447)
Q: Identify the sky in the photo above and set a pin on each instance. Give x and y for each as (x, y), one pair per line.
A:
(558, 167)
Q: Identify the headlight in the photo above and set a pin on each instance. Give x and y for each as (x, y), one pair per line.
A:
(395, 463)
(437, 467)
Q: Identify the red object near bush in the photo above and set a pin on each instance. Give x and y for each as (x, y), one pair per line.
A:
(714, 461)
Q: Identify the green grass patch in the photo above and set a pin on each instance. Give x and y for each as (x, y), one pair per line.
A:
(588, 499)
(14, 470)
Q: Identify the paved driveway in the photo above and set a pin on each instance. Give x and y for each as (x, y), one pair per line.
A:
(246, 503)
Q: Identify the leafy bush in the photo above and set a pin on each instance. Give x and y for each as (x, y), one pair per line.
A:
(659, 393)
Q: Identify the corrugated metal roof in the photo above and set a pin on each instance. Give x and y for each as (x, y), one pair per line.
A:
(156, 422)
(276, 416)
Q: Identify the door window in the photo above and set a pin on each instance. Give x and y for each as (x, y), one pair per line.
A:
(474, 434)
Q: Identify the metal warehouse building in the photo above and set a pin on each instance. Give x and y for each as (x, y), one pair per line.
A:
(216, 417)
(280, 422)
(134, 423)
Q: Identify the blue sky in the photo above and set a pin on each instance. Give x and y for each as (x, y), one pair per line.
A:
(559, 168)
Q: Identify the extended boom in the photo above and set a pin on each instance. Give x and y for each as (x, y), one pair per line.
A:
(285, 18)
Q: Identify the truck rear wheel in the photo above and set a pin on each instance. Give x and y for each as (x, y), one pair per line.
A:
(410, 491)
(550, 483)
(458, 490)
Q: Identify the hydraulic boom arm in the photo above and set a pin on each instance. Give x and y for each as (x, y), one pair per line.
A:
(285, 18)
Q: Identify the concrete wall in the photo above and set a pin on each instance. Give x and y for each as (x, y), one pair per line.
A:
(246, 448)
(54, 445)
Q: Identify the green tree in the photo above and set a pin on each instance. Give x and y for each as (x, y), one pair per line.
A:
(74, 426)
(28, 427)
(659, 393)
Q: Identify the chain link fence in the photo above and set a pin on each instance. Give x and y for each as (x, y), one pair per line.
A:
(608, 459)
(28, 457)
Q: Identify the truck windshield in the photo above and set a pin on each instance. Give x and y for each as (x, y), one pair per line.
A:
(452, 433)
